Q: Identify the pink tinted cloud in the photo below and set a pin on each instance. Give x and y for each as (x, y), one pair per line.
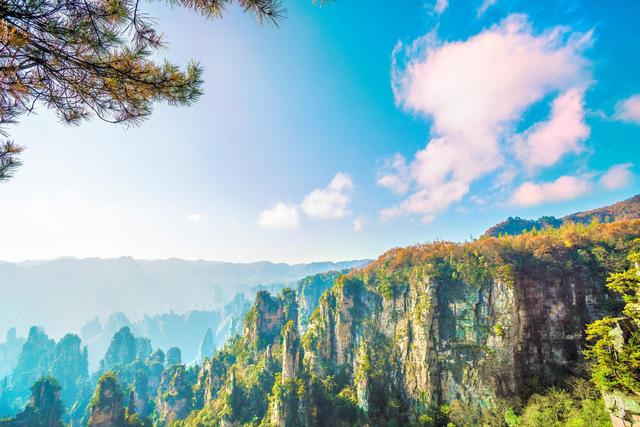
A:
(395, 175)
(545, 143)
(628, 110)
(474, 92)
(617, 176)
(440, 6)
(564, 188)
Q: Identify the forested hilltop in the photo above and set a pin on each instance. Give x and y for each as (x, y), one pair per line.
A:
(489, 332)
(626, 209)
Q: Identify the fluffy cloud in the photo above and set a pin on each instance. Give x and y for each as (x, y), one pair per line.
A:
(331, 202)
(545, 143)
(570, 187)
(629, 109)
(358, 224)
(440, 6)
(475, 92)
(563, 188)
(281, 216)
(617, 176)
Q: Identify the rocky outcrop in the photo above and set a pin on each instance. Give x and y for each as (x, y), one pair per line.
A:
(142, 395)
(33, 362)
(107, 407)
(291, 352)
(456, 340)
(174, 357)
(121, 351)
(286, 408)
(9, 352)
(175, 395)
(470, 323)
(44, 408)
(423, 327)
(418, 331)
(268, 315)
(624, 410)
(309, 291)
(66, 361)
(207, 346)
(69, 366)
(211, 379)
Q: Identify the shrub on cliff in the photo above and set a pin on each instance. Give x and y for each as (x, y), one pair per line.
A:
(615, 341)
(579, 406)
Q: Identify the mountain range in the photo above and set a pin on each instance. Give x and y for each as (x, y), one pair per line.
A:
(498, 331)
(65, 293)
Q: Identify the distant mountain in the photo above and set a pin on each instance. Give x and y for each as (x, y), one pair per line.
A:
(187, 331)
(626, 209)
(64, 293)
(9, 352)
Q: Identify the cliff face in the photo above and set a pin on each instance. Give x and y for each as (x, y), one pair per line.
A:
(310, 289)
(458, 338)
(175, 394)
(266, 318)
(65, 361)
(121, 351)
(418, 336)
(107, 407)
(44, 407)
(459, 325)
(69, 366)
(35, 357)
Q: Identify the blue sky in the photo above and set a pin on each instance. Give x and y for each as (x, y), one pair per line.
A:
(343, 133)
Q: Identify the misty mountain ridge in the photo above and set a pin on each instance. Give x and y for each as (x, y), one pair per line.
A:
(64, 293)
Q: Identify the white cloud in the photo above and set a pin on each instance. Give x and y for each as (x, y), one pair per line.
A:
(194, 217)
(486, 4)
(563, 188)
(358, 224)
(331, 202)
(475, 92)
(628, 110)
(440, 6)
(435, 199)
(281, 216)
(395, 175)
(617, 176)
(544, 143)
(478, 200)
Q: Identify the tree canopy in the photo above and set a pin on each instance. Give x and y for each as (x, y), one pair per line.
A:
(615, 341)
(85, 58)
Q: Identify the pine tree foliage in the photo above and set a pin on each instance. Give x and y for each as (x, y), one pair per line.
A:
(615, 341)
(85, 58)
(8, 159)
